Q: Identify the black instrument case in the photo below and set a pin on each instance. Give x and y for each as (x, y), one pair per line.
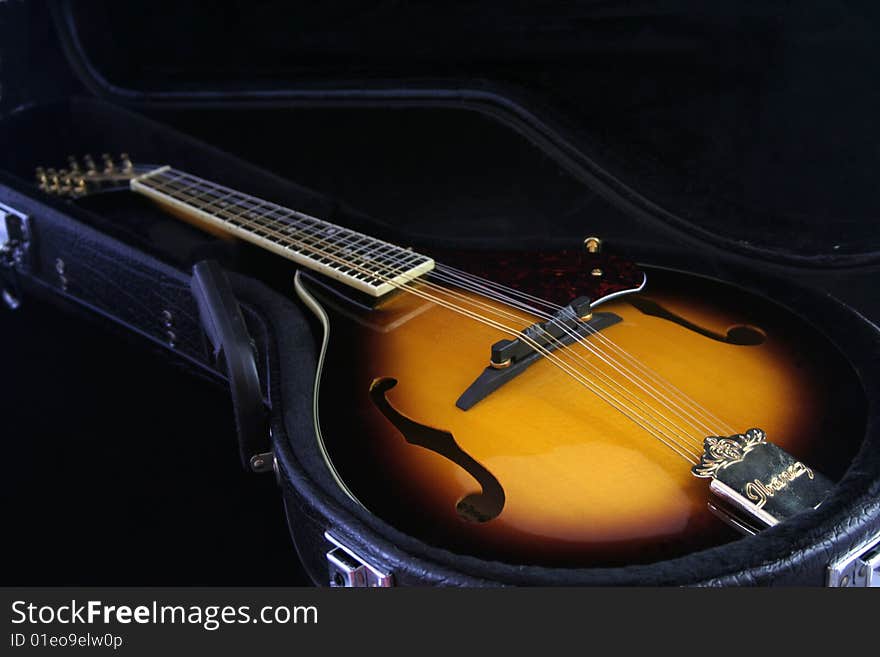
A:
(734, 141)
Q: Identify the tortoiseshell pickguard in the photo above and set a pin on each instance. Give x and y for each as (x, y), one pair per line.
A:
(557, 276)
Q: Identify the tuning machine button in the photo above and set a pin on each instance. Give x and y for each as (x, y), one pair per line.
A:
(42, 178)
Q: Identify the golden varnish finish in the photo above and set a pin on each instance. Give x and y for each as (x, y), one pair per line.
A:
(582, 483)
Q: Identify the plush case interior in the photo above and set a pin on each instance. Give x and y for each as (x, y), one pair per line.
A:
(753, 126)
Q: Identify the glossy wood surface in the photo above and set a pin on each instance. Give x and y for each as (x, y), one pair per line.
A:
(582, 483)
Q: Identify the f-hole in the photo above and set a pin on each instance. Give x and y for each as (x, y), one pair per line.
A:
(474, 507)
(743, 335)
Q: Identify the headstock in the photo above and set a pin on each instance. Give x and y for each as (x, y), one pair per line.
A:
(87, 177)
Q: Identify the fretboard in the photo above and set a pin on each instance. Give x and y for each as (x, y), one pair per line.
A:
(365, 263)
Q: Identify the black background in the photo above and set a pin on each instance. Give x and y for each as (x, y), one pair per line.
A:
(120, 467)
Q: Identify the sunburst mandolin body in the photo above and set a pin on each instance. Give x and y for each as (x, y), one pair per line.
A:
(580, 483)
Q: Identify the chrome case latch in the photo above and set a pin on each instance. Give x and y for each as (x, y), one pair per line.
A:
(15, 237)
(15, 241)
(860, 567)
(348, 569)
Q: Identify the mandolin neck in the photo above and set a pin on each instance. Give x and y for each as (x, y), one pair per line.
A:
(360, 261)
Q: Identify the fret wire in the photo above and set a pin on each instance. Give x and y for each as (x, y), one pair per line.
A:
(187, 185)
(309, 231)
(219, 199)
(158, 184)
(287, 212)
(172, 186)
(233, 209)
(368, 244)
(191, 199)
(379, 256)
(165, 174)
(349, 240)
(253, 214)
(308, 235)
(382, 260)
(194, 187)
(222, 204)
(177, 183)
(198, 202)
(223, 213)
(334, 235)
(180, 195)
(203, 192)
(307, 239)
(254, 203)
(230, 218)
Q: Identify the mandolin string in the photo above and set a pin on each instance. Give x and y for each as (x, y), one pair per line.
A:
(457, 275)
(213, 189)
(311, 246)
(694, 422)
(578, 339)
(643, 416)
(633, 398)
(476, 284)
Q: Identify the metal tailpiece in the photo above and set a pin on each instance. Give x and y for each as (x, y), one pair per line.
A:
(756, 484)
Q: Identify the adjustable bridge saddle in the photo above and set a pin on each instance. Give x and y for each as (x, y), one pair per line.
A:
(544, 334)
(603, 277)
(511, 358)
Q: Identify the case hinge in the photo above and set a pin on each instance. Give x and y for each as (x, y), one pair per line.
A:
(860, 567)
(15, 237)
(347, 569)
(15, 242)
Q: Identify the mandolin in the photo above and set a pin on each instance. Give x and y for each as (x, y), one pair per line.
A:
(557, 408)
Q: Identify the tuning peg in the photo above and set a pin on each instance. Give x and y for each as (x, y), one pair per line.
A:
(90, 165)
(66, 181)
(74, 164)
(42, 180)
(127, 166)
(108, 163)
(53, 182)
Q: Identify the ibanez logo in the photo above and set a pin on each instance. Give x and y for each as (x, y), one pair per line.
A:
(759, 492)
